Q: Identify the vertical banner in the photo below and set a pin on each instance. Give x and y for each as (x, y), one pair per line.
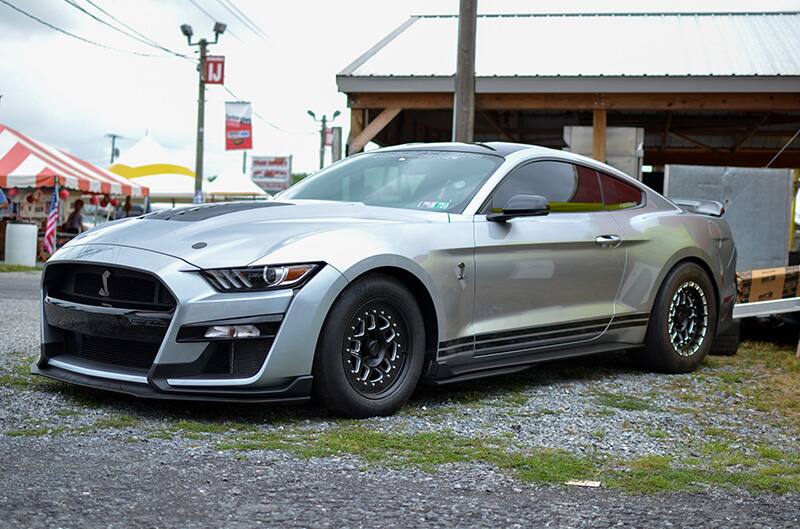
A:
(215, 69)
(271, 173)
(238, 126)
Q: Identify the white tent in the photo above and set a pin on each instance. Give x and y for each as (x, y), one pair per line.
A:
(165, 171)
(231, 183)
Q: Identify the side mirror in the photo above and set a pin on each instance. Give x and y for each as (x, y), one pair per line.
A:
(521, 206)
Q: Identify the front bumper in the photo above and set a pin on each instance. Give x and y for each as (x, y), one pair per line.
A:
(280, 371)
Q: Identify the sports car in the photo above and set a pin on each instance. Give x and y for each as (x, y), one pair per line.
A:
(422, 262)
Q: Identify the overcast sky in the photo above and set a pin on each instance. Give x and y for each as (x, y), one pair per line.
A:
(70, 93)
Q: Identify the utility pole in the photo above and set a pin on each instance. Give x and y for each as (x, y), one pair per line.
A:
(464, 96)
(114, 150)
(201, 122)
(186, 29)
(323, 129)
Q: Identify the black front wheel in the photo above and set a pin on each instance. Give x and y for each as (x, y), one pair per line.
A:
(371, 350)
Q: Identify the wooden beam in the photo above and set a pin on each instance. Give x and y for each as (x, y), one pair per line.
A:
(751, 132)
(372, 129)
(746, 101)
(491, 121)
(667, 125)
(599, 135)
(694, 141)
(741, 158)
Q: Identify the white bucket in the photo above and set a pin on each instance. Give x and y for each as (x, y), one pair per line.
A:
(21, 243)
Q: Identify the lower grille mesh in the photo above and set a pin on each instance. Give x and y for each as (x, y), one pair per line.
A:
(111, 351)
(239, 359)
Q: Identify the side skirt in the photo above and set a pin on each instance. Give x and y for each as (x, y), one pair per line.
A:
(509, 351)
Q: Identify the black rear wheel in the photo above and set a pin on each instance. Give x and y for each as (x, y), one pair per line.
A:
(683, 321)
(370, 353)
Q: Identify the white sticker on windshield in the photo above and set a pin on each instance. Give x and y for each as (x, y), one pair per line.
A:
(434, 204)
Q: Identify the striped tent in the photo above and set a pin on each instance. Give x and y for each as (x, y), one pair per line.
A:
(25, 162)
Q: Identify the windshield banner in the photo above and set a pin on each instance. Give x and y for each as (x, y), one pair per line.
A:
(238, 126)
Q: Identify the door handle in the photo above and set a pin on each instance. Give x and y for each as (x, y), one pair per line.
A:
(608, 241)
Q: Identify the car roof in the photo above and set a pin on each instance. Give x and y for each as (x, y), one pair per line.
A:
(497, 148)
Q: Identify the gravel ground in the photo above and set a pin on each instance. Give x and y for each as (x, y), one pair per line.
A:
(79, 458)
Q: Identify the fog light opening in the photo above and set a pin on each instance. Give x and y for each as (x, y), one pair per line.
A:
(232, 331)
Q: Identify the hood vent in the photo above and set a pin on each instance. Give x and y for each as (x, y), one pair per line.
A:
(208, 211)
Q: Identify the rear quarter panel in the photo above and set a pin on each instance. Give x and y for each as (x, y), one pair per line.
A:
(658, 236)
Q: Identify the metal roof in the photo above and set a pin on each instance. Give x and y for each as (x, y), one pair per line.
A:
(694, 52)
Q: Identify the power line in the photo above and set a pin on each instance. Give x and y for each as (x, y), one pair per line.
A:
(241, 19)
(145, 37)
(213, 19)
(262, 118)
(247, 18)
(144, 40)
(73, 35)
(785, 145)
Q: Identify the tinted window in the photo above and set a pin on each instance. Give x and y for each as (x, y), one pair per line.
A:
(567, 187)
(432, 180)
(619, 194)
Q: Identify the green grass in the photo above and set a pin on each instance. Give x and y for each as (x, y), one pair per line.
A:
(421, 450)
(34, 432)
(622, 402)
(17, 268)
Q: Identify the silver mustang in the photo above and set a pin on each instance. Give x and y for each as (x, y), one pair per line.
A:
(441, 262)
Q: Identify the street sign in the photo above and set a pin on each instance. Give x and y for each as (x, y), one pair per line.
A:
(215, 69)
(271, 173)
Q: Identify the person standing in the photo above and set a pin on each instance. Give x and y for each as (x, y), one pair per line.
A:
(74, 223)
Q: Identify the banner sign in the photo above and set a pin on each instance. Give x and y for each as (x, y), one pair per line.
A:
(215, 69)
(271, 173)
(238, 126)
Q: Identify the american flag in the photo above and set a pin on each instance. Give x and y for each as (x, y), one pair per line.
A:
(52, 223)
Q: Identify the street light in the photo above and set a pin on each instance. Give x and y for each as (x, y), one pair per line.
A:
(322, 130)
(186, 29)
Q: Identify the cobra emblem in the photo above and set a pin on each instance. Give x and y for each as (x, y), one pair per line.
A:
(104, 289)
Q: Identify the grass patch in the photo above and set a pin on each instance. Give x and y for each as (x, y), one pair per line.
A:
(202, 427)
(17, 268)
(34, 432)
(119, 421)
(421, 450)
(656, 434)
(772, 376)
(622, 402)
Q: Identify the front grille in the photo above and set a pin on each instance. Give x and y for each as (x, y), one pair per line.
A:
(111, 351)
(240, 359)
(121, 287)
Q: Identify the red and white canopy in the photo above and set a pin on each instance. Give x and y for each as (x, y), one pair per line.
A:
(25, 162)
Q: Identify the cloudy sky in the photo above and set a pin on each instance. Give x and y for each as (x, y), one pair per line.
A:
(71, 93)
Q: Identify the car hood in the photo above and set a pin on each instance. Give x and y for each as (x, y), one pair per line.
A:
(239, 233)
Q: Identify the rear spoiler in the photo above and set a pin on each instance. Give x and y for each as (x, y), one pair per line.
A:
(700, 206)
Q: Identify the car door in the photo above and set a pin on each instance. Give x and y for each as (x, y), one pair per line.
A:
(548, 280)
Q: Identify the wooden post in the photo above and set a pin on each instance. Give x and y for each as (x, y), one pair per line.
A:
(356, 127)
(599, 135)
(464, 96)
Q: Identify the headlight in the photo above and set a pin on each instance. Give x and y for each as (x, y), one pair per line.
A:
(259, 278)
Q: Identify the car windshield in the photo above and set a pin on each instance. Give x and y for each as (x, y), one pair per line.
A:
(428, 180)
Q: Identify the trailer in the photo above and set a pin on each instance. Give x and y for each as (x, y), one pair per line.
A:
(759, 207)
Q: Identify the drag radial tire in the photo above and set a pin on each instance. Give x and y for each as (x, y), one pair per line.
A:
(683, 322)
(727, 343)
(371, 349)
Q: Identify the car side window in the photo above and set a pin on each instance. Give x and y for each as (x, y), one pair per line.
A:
(618, 194)
(568, 187)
